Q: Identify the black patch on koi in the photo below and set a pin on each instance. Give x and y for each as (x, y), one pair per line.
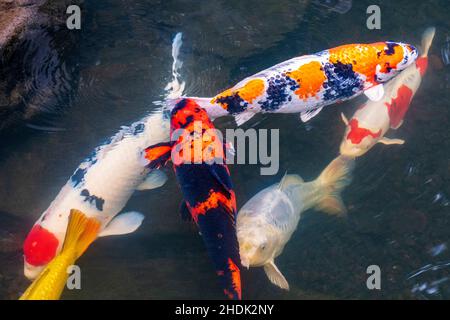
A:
(78, 176)
(277, 92)
(180, 105)
(342, 82)
(235, 104)
(189, 119)
(390, 48)
(93, 199)
(139, 129)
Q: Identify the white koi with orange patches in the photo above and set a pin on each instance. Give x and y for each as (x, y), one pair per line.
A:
(311, 82)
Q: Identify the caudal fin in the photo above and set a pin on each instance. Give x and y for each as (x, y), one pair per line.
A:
(427, 39)
(333, 179)
(81, 232)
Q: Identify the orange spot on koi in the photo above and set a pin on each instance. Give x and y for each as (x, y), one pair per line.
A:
(310, 78)
(249, 92)
(235, 278)
(213, 201)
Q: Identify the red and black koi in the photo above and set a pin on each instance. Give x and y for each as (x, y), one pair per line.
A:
(198, 158)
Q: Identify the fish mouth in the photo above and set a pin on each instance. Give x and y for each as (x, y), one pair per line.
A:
(31, 272)
(245, 263)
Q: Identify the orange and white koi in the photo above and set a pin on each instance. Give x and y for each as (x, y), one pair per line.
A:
(308, 83)
(372, 120)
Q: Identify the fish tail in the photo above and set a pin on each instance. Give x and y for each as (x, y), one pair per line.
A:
(81, 232)
(333, 179)
(427, 39)
(49, 285)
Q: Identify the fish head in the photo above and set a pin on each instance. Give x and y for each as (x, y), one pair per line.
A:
(358, 139)
(393, 57)
(40, 247)
(186, 112)
(255, 247)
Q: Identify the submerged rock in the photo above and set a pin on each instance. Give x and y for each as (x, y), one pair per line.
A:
(34, 78)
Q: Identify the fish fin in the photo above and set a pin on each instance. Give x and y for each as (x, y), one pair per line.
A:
(344, 118)
(305, 116)
(123, 224)
(81, 232)
(275, 276)
(333, 179)
(158, 155)
(375, 93)
(427, 39)
(398, 126)
(32, 288)
(388, 141)
(289, 179)
(243, 117)
(185, 213)
(154, 179)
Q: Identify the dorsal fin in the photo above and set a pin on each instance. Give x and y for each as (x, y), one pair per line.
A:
(289, 179)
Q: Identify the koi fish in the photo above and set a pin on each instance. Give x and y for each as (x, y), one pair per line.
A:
(81, 232)
(372, 120)
(198, 158)
(100, 187)
(267, 221)
(104, 182)
(306, 84)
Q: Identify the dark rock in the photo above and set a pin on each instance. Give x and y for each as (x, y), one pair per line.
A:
(33, 78)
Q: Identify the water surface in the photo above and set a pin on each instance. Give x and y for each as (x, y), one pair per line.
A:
(398, 202)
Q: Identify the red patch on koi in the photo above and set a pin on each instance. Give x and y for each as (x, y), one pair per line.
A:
(40, 246)
(213, 201)
(422, 65)
(236, 280)
(399, 106)
(356, 133)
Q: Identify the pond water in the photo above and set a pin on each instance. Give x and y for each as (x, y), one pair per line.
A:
(398, 202)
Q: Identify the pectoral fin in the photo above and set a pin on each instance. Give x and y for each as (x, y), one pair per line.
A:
(158, 155)
(243, 117)
(308, 115)
(398, 126)
(375, 93)
(388, 141)
(344, 118)
(185, 213)
(123, 224)
(154, 179)
(275, 276)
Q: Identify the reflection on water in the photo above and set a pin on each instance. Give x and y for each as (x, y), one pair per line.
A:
(398, 202)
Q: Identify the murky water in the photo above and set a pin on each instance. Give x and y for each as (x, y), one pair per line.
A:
(398, 202)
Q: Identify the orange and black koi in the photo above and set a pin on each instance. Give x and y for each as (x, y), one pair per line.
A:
(205, 182)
